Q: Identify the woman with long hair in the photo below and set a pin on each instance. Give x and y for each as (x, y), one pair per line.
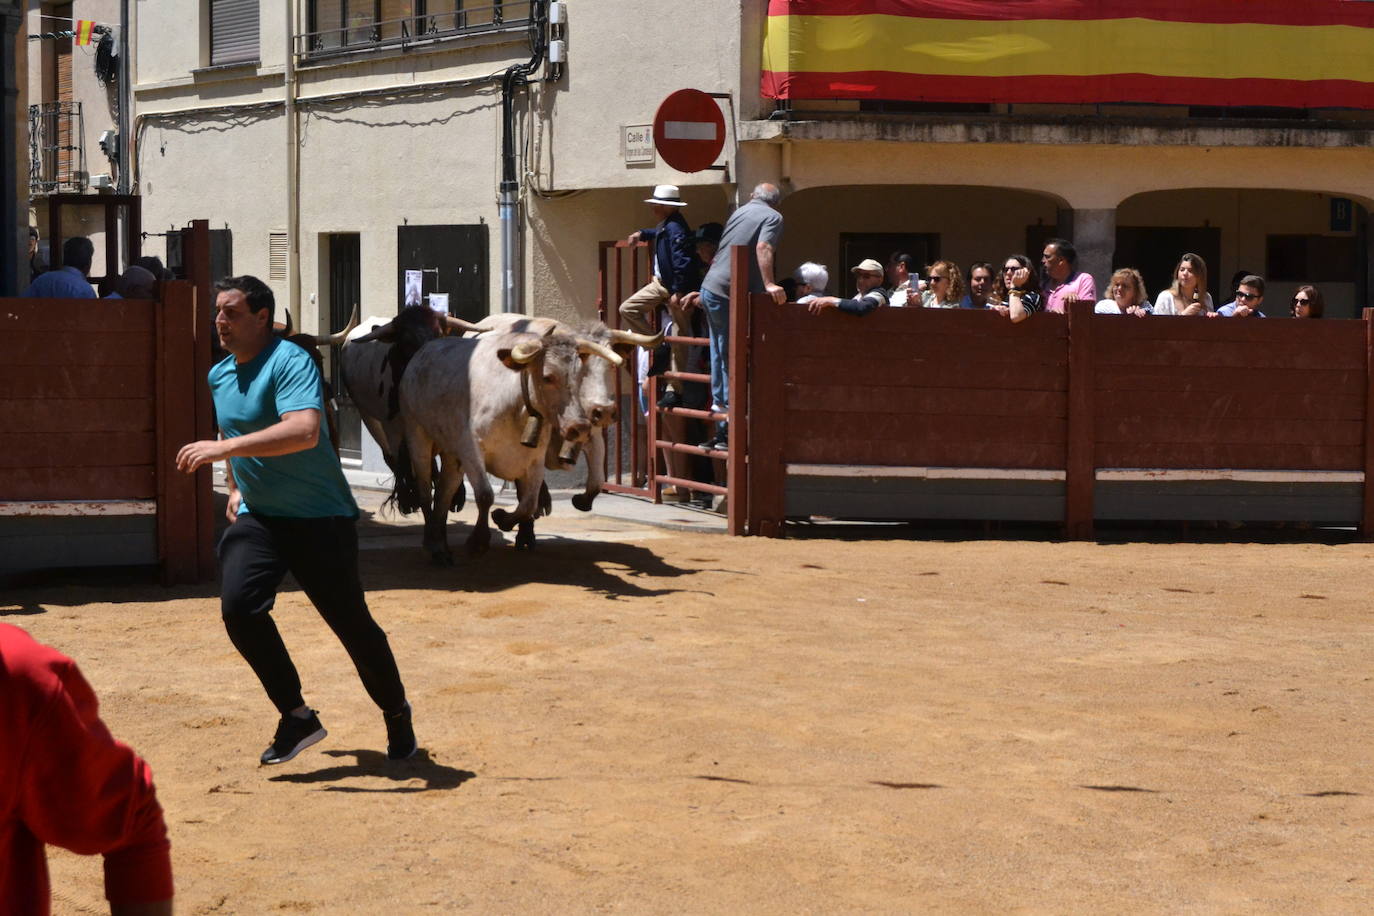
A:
(1308, 302)
(1014, 293)
(1188, 294)
(945, 286)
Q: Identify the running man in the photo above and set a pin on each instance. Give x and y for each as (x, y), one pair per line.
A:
(290, 509)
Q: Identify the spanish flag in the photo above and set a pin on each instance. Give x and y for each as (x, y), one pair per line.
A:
(82, 32)
(1312, 54)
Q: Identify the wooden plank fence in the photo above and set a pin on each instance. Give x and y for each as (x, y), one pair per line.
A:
(96, 396)
(957, 414)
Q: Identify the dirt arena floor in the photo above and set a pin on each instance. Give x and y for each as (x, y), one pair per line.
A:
(653, 721)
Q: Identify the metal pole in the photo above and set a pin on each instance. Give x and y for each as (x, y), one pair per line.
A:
(293, 172)
(11, 250)
(126, 102)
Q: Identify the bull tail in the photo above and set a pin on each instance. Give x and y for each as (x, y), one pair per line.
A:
(405, 489)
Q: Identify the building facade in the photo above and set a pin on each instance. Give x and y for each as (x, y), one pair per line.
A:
(335, 144)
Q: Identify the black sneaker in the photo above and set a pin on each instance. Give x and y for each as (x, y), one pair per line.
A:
(720, 442)
(400, 735)
(294, 735)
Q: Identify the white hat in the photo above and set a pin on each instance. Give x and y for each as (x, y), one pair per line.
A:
(667, 195)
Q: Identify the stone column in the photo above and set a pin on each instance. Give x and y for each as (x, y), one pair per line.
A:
(1094, 235)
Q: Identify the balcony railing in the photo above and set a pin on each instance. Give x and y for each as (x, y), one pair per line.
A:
(367, 34)
(57, 148)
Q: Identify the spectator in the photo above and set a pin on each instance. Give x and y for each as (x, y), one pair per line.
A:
(868, 279)
(906, 287)
(789, 289)
(945, 286)
(1013, 295)
(1249, 298)
(1127, 295)
(135, 283)
(980, 283)
(68, 782)
(68, 281)
(36, 265)
(1188, 295)
(1235, 282)
(707, 239)
(1308, 303)
(1064, 282)
(758, 226)
(812, 279)
(677, 272)
(153, 264)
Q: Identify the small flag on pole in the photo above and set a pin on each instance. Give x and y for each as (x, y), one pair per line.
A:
(83, 31)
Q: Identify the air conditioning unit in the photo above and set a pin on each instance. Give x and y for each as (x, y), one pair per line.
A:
(102, 182)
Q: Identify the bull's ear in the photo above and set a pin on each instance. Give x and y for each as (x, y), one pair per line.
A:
(504, 354)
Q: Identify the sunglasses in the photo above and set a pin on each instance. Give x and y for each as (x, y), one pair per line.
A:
(935, 278)
(1246, 296)
(1297, 301)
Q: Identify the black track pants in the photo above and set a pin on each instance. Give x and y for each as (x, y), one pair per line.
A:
(255, 554)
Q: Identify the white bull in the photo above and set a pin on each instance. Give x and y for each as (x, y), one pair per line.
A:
(476, 404)
(596, 387)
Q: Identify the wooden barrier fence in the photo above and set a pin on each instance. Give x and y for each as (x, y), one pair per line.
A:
(959, 414)
(96, 396)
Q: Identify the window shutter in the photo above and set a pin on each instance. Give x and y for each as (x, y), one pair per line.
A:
(233, 31)
(276, 256)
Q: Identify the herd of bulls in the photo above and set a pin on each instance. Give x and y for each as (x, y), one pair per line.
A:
(509, 396)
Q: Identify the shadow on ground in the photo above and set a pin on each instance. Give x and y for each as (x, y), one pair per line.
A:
(366, 763)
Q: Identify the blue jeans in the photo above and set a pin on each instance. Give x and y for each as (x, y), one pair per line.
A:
(718, 327)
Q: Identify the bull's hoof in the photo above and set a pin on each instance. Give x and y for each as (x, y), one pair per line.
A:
(503, 519)
(524, 539)
(583, 501)
(459, 498)
(479, 542)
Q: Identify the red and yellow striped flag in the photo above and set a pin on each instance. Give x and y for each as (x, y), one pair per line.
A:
(83, 31)
(1314, 54)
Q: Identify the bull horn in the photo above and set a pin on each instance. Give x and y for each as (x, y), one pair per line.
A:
(639, 340)
(525, 351)
(590, 347)
(378, 332)
(338, 337)
(461, 326)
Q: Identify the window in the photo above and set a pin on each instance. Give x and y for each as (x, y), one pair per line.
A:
(277, 250)
(233, 31)
(1311, 259)
(338, 25)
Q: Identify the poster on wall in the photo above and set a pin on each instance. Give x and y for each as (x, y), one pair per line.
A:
(414, 280)
(439, 302)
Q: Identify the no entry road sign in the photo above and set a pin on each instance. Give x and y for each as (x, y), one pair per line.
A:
(689, 130)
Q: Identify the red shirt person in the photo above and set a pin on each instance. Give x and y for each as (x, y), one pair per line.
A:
(65, 780)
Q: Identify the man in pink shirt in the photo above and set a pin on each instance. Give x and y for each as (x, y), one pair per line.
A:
(1064, 282)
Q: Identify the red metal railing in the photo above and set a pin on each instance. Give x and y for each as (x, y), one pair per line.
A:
(611, 291)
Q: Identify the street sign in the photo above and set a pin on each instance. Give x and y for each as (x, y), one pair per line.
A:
(637, 144)
(689, 130)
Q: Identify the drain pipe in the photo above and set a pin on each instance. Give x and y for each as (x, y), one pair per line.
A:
(293, 171)
(508, 203)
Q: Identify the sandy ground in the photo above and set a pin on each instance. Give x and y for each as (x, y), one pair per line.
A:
(642, 720)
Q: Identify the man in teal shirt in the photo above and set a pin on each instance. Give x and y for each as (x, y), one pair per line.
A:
(290, 509)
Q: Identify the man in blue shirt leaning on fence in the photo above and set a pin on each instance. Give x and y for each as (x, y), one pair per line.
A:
(290, 509)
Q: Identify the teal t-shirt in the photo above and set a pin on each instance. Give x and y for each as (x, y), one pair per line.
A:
(253, 396)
